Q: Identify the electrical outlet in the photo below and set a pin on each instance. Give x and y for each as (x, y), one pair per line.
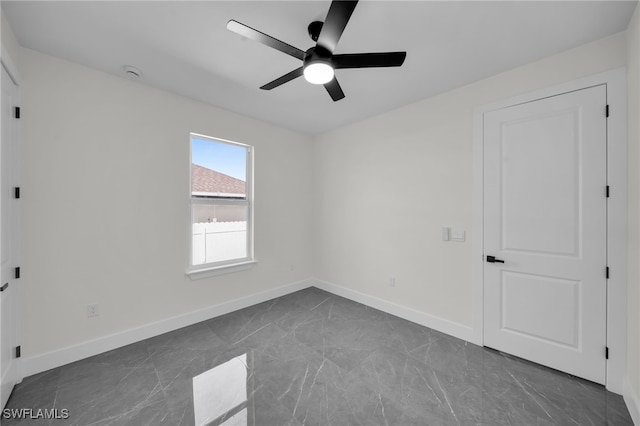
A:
(392, 282)
(92, 310)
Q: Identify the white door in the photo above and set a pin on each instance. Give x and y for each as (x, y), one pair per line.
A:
(9, 237)
(545, 216)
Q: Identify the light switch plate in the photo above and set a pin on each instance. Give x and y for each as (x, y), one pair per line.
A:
(446, 233)
(458, 235)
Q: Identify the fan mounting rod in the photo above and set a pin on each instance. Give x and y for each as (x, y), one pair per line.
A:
(314, 29)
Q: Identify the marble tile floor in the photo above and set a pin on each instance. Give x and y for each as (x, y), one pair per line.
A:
(311, 358)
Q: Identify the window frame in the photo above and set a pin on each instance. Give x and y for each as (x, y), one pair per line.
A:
(205, 270)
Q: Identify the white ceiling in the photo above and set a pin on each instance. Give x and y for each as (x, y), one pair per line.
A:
(184, 47)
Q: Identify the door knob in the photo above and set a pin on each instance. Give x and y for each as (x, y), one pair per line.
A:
(4, 287)
(492, 259)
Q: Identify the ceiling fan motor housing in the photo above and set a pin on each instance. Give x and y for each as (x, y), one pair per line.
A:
(317, 54)
(318, 66)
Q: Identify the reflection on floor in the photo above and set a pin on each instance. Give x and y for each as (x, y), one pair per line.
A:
(312, 358)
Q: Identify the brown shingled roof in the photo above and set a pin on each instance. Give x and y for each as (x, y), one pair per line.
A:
(210, 181)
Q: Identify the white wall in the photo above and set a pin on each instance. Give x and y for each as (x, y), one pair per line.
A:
(385, 186)
(102, 154)
(633, 306)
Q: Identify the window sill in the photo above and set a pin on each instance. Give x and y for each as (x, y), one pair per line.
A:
(206, 272)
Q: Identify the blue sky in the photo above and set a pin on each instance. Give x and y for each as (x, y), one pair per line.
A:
(219, 156)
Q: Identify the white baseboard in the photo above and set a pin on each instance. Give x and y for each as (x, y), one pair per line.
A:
(632, 401)
(440, 324)
(39, 363)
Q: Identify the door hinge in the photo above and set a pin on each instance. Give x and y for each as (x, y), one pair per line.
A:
(16, 192)
(18, 351)
(607, 272)
(606, 352)
(608, 191)
(16, 112)
(607, 111)
(17, 272)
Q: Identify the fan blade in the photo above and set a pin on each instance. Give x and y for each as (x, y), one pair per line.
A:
(265, 39)
(369, 60)
(282, 80)
(334, 24)
(334, 89)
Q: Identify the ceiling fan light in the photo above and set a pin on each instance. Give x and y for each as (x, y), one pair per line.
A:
(318, 72)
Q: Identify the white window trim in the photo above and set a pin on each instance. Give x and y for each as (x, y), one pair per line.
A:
(207, 270)
(213, 271)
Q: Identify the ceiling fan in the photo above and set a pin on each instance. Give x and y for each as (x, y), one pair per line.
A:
(318, 62)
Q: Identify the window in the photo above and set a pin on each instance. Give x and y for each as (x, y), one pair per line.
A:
(221, 204)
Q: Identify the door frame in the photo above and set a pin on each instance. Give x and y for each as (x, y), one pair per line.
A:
(616, 82)
(7, 63)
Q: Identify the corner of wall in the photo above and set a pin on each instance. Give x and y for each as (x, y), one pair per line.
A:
(632, 401)
(632, 381)
(10, 46)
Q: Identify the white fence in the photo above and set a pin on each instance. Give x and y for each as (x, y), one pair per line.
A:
(217, 241)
